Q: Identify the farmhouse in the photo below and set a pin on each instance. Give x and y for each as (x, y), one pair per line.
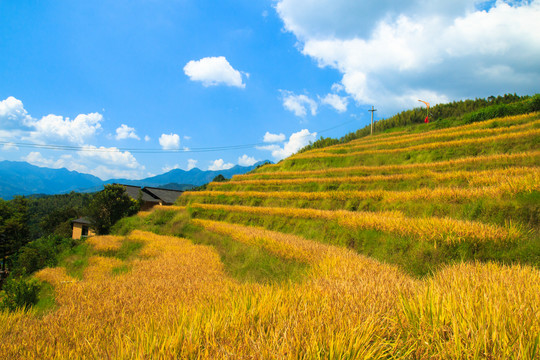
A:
(82, 228)
(151, 196)
(136, 193)
(165, 196)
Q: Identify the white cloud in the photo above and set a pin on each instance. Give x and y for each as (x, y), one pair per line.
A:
(337, 87)
(298, 104)
(126, 132)
(337, 102)
(219, 164)
(192, 163)
(105, 163)
(57, 128)
(168, 168)
(245, 160)
(272, 138)
(213, 71)
(106, 173)
(391, 52)
(15, 122)
(169, 142)
(147, 138)
(110, 156)
(13, 115)
(268, 147)
(187, 137)
(35, 158)
(297, 141)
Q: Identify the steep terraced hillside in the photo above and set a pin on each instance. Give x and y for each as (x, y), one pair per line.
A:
(415, 198)
(418, 244)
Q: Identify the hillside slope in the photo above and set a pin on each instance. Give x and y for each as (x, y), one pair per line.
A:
(273, 265)
(415, 198)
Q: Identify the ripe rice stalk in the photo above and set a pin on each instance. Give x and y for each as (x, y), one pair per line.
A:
(483, 177)
(463, 311)
(106, 316)
(432, 229)
(506, 185)
(530, 157)
(426, 138)
(179, 304)
(169, 207)
(473, 311)
(510, 123)
(534, 133)
(105, 243)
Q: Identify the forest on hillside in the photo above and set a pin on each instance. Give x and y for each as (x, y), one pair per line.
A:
(26, 220)
(36, 230)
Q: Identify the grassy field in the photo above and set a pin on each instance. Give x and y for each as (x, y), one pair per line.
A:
(421, 243)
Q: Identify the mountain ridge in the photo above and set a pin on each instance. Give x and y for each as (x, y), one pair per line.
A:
(22, 178)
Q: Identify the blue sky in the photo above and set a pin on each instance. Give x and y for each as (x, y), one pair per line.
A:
(136, 88)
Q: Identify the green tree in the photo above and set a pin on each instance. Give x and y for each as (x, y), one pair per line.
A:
(110, 205)
(19, 293)
(41, 253)
(219, 178)
(54, 222)
(14, 232)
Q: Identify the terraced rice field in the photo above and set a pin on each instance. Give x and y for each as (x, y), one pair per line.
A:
(176, 301)
(477, 175)
(399, 246)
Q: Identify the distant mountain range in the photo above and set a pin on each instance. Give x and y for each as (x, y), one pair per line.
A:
(22, 178)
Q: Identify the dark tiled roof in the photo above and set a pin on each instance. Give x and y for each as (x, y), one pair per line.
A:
(83, 220)
(133, 192)
(167, 196)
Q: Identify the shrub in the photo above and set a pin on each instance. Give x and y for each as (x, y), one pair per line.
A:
(41, 253)
(534, 103)
(110, 205)
(19, 293)
(219, 178)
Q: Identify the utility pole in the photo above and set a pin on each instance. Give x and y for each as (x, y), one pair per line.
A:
(372, 111)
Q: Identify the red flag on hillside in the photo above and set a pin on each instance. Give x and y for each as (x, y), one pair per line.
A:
(426, 120)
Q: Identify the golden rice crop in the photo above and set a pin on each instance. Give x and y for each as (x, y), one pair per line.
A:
(433, 229)
(179, 304)
(491, 160)
(483, 177)
(105, 243)
(476, 311)
(100, 268)
(512, 123)
(104, 315)
(507, 185)
(169, 207)
(464, 311)
(429, 137)
(534, 133)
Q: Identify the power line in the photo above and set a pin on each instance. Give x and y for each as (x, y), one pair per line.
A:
(91, 148)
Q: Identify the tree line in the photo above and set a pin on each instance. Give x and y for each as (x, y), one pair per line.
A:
(454, 113)
(35, 231)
